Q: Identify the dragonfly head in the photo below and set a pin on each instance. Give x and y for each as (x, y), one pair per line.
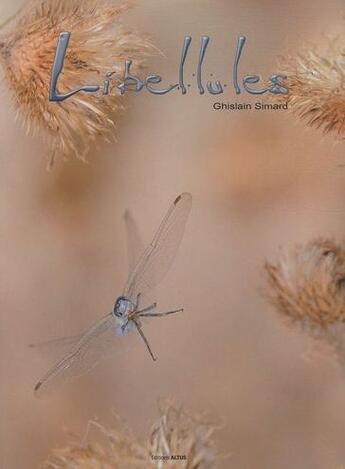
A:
(123, 307)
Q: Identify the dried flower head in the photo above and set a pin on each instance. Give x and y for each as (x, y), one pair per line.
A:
(316, 83)
(307, 287)
(99, 44)
(179, 434)
(175, 440)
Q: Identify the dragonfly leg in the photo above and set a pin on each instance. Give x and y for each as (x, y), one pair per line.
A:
(153, 315)
(142, 335)
(149, 308)
(138, 299)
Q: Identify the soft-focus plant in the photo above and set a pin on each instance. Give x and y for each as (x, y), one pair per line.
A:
(306, 285)
(176, 440)
(99, 44)
(316, 82)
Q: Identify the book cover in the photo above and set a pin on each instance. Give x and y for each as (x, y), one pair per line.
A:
(172, 183)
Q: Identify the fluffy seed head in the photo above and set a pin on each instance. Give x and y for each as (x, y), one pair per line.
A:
(174, 434)
(316, 82)
(306, 286)
(177, 433)
(99, 44)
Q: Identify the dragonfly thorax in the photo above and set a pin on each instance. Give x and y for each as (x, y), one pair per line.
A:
(123, 307)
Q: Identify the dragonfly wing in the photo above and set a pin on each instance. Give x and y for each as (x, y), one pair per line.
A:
(56, 346)
(159, 255)
(83, 356)
(134, 244)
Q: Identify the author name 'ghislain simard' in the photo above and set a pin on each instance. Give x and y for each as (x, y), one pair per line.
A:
(257, 106)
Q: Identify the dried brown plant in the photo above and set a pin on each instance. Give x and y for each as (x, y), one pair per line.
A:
(174, 434)
(316, 82)
(99, 44)
(306, 286)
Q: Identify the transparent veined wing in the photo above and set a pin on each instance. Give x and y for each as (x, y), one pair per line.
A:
(56, 346)
(159, 255)
(83, 356)
(135, 246)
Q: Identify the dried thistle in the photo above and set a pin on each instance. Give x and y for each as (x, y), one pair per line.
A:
(306, 286)
(178, 434)
(99, 44)
(175, 440)
(316, 83)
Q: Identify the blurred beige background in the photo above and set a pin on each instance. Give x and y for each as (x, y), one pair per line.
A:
(259, 180)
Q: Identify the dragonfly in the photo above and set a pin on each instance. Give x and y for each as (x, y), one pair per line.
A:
(90, 347)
